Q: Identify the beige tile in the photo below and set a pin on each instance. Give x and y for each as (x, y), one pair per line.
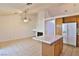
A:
(21, 47)
(70, 51)
(30, 47)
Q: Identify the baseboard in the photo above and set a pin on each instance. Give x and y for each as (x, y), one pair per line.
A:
(15, 39)
(69, 45)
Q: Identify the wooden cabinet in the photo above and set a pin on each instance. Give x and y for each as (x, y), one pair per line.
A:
(47, 50)
(59, 45)
(54, 49)
(69, 19)
(59, 22)
(77, 40)
(77, 18)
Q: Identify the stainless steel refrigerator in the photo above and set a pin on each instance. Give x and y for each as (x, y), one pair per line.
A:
(69, 33)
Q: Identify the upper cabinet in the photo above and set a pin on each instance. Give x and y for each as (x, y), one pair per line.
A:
(69, 19)
(77, 19)
(58, 23)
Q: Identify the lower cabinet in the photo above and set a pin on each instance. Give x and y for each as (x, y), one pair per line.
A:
(53, 49)
(58, 48)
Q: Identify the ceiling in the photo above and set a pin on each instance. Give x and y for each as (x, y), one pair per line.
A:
(54, 9)
(64, 9)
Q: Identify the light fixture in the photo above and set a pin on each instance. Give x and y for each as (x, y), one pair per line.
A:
(25, 15)
(26, 20)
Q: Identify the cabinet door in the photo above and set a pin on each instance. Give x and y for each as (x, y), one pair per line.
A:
(46, 50)
(57, 48)
(77, 19)
(69, 19)
(61, 45)
(59, 22)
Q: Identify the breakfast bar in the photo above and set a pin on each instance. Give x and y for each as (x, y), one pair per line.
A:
(51, 45)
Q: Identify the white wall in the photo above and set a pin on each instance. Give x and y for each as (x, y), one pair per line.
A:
(42, 17)
(40, 22)
(12, 27)
(40, 27)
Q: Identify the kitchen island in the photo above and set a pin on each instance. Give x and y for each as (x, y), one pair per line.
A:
(51, 45)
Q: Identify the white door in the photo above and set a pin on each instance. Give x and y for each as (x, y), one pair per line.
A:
(64, 32)
(72, 34)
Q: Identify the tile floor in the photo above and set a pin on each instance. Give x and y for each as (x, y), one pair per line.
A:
(21, 47)
(30, 47)
(70, 51)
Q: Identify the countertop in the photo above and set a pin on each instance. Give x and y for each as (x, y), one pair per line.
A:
(49, 39)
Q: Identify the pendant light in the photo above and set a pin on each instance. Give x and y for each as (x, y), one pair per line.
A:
(26, 17)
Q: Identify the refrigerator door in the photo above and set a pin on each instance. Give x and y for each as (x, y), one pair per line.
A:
(72, 34)
(64, 32)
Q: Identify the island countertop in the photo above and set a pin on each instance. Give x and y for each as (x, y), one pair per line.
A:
(49, 39)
